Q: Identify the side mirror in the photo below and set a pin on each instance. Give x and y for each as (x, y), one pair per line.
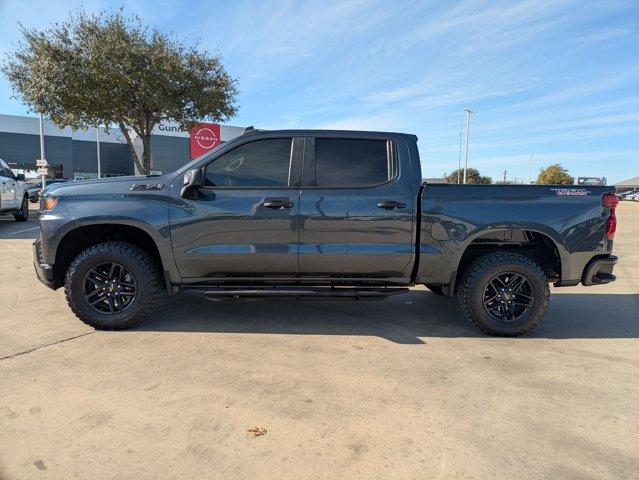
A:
(193, 179)
(20, 177)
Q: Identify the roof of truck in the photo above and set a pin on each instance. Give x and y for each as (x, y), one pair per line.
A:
(329, 133)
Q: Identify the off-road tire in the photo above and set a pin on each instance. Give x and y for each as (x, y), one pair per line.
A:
(436, 289)
(23, 215)
(143, 268)
(476, 276)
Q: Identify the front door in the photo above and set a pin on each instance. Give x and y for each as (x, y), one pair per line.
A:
(357, 214)
(244, 221)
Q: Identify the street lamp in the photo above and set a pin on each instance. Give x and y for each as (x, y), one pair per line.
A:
(468, 112)
(44, 177)
(461, 128)
(531, 162)
(97, 141)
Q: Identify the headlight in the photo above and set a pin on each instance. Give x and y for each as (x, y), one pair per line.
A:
(49, 202)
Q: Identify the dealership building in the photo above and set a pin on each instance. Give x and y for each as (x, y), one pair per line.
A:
(73, 154)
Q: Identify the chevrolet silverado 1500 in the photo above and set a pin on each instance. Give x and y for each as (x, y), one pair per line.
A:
(322, 215)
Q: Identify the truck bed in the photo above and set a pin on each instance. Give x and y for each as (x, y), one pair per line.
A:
(453, 217)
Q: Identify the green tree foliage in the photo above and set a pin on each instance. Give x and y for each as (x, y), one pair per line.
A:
(111, 69)
(472, 176)
(554, 175)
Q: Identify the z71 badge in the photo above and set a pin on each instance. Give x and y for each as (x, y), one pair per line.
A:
(570, 191)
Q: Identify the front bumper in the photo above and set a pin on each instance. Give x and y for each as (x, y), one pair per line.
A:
(599, 271)
(43, 270)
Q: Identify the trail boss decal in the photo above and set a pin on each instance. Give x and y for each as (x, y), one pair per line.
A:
(570, 191)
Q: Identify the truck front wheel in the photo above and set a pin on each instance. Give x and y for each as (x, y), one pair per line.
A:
(504, 293)
(23, 214)
(112, 285)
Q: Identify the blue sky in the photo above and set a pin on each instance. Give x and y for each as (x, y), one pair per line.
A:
(556, 79)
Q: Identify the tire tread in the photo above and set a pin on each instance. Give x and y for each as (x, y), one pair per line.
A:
(487, 262)
(137, 255)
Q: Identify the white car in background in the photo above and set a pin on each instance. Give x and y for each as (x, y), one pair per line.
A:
(14, 198)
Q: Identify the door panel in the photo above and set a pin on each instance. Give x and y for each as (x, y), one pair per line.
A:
(347, 232)
(348, 235)
(244, 222)
(232, 233)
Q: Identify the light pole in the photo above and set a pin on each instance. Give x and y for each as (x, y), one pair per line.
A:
(461, 128)
(44, 177)
(531, 162)
(97, 141)
(468, 112)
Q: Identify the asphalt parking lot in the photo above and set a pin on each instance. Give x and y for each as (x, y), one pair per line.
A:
(402, 388)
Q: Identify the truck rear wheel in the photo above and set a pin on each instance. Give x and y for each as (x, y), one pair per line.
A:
(112, 285)
(504, 293)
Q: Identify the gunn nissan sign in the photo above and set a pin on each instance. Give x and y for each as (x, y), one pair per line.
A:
(204, 137)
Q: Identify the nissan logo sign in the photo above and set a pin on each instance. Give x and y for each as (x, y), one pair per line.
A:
(205, 138)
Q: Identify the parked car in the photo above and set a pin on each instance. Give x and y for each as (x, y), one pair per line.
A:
(34, 188)
(321, 215)
(14, 198)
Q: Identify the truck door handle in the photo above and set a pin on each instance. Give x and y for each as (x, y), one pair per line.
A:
(278, 204)
(391, 205)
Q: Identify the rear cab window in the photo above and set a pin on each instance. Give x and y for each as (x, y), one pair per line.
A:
(352, 162)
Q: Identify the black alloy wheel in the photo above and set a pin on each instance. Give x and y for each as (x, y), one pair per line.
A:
(110, 288)
(508, 296)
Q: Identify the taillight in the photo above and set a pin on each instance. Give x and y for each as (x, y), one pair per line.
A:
(610, 200)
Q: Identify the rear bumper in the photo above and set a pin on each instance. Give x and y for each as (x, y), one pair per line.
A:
(43, 271)
(599, 271)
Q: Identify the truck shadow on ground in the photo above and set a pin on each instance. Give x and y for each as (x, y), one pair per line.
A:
(405, 319)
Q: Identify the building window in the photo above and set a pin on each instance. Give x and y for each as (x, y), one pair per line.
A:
(94, 175)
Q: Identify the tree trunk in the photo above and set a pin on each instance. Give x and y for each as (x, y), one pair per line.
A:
(146, 154)
(132, 151)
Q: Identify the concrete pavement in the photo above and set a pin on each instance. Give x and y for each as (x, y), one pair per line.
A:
(402, 388)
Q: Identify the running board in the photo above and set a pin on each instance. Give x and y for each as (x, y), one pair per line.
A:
(222, 293)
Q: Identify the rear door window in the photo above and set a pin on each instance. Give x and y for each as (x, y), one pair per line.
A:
(348, 162)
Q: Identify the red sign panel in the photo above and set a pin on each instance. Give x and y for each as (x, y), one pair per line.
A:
(204, 137)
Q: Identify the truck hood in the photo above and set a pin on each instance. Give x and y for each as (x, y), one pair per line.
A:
(108, 185)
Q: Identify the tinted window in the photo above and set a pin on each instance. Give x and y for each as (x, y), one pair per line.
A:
(351, 162)
(263, 163)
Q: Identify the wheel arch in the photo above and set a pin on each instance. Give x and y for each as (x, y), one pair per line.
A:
(78, 239)
(538, 244)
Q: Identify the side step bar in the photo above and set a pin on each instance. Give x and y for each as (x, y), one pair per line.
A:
(227, 293)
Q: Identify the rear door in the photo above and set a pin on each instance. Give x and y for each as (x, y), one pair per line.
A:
(357, 214)
(244, 221)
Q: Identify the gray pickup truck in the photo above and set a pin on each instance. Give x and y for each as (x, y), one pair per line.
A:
(310, 214)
